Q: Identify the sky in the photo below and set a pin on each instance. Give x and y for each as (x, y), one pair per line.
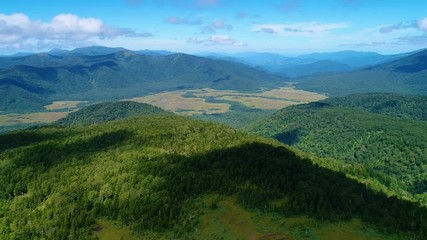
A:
(227, 26)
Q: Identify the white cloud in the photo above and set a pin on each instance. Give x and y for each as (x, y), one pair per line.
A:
(422, 24)
(218, 24)
(299, 29)
(183, 21)
(18, 29)
(217, 40)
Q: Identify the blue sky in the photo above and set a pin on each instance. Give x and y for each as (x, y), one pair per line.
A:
(282, 26)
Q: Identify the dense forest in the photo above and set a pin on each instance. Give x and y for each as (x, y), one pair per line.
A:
(148, 172)
(401, 106)
(372, 137)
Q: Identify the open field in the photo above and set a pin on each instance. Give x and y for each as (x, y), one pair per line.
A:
(293, 95)
(196, 102)
(199, 101)
(176, 102)
(259, 102)
(60, 105)
(39, 117)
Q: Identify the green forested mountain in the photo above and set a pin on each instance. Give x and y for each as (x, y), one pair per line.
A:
(377, 142)
(149, 173)
(405, 76)
(109, 111)
(40, 78)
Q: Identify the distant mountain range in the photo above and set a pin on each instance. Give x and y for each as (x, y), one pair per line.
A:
(309, 64)
(406, 75)
(29, 82)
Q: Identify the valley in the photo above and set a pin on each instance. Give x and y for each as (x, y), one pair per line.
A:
(211, 101)
(183, 102)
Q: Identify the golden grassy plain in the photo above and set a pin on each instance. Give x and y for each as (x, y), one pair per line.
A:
(177, 101)
(59, 105)
(39, 117)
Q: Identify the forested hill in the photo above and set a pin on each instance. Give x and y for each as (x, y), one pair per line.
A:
(109, 111)
(149, 173)
(30, 82)
(388, 150)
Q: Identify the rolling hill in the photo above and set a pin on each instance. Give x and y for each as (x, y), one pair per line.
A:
(109, 111)
(167, 177)
(379, 142)
(406, 76)
(42, 78)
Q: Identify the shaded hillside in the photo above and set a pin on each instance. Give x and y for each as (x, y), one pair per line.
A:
(149, 173)
(406, 76)
(109, 111)
(389, 153)
(119, 75)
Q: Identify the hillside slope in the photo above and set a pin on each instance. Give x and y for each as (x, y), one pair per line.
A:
(375, 142)
(150, 173)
